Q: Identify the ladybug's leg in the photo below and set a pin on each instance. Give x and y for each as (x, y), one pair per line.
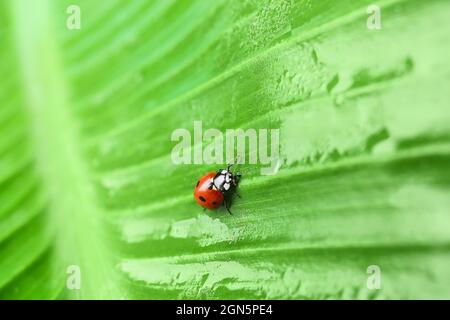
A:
(236, 179)
(227, 207)
(235, 182)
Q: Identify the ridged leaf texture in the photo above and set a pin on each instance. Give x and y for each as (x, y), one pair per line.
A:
(86, 176)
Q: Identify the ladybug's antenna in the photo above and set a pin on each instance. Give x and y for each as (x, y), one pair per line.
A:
(235, 162)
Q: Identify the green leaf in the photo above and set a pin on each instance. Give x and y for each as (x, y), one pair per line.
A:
(87, 179)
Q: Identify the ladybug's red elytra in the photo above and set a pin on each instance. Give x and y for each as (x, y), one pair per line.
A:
(213, 189)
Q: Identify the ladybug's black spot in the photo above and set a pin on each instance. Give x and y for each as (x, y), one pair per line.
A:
(214, 203)
(202, 199)
(197, 183)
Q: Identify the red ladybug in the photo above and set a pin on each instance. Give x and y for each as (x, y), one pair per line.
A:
(213, 189)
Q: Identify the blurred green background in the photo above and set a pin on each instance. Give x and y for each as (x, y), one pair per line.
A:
(86, 177)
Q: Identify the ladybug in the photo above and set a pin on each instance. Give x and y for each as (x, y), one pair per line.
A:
(214, 188)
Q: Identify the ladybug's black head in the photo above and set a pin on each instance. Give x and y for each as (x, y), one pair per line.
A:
(225, 180)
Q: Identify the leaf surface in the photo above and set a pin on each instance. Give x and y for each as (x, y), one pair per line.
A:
(87, 179)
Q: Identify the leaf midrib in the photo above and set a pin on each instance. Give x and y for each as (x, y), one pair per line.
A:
(72, 210)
